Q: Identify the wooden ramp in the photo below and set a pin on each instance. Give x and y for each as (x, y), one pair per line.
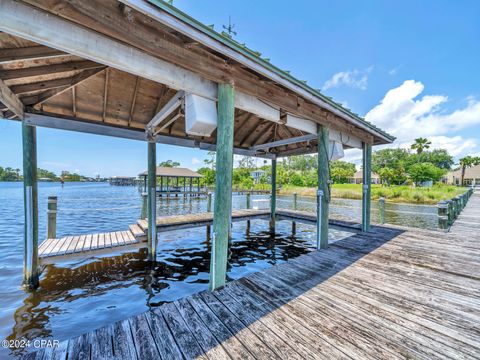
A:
(390, 293)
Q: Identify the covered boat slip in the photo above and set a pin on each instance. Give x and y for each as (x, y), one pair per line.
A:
(143, 70)
(175, 181)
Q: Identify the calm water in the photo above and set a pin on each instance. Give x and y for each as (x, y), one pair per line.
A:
(80, 296)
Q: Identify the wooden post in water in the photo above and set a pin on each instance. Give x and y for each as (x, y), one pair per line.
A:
(248, 207)
(144, 215)
(367, 179)
(30, 193)
(294, 223)
(152, 201)
(323, 191)
(442, 207)
(52, 217)
(209, 209)
(273, 198)
(223, 185)
(381, 205)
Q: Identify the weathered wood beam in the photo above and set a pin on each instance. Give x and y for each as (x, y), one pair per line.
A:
(152, 201)
(196, 35)
(10, 100)
(40, 98)
(74, 102)
(367, 180)
(48, 69)
(323, 192)
(51, 30)
(105, 94)
(223, 186)
(132, 107)
(26, 53)
(292, 140)
(100, 128)
(30, 193)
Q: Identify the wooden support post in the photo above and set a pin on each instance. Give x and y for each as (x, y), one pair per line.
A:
(294, 223)
(381, 205)
(450, 211)
(367, 179)
(223, 186)
(152, 201)
(442, 207)
(144, 184)
(209, 209)
(144, 215)
(249, 205)
(273, 198)
(323, 192)
(52, 217)
(30, 192)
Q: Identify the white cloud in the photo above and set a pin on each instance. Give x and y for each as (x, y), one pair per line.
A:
(354, 79)
(406, 115)
(195, 161)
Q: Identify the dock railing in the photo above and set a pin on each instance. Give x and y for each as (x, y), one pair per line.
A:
(449, 210)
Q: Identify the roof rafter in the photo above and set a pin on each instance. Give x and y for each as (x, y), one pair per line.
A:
(10, 100)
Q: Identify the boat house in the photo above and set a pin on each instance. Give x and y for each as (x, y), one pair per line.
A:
(145, 71)
(175, 181)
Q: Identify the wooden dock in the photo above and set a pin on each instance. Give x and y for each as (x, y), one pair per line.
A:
(390, 293)
(101, 244)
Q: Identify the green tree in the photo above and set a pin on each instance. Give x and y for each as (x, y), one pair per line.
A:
(438, 157)
(9, 174)
(341, 171)
(466, 162)
(42, 173)
(169, 163)
(425, 172)
(394, 160)
(208, 178)
(211, 161)
(421, 144)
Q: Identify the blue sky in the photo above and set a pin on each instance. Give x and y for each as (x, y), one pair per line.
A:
(411, 67)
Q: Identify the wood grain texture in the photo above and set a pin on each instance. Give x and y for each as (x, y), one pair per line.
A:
(391, 293)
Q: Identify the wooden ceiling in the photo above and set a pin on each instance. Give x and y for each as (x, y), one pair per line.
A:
(50, 82)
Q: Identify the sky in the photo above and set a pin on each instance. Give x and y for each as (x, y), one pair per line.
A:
(409, 67)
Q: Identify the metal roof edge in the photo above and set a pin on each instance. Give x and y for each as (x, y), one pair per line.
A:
(252, 55)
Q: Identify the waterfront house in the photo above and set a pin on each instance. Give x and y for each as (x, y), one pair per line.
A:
(358, 178)
(472, 176)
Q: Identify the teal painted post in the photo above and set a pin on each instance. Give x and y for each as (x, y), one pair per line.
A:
(223, 185)
(144, 215)
(152, 201)
(52, 217)
(367, 179)
(30, 192)
(450, 211)
(273, 198)
(323, 192)
(209, 209)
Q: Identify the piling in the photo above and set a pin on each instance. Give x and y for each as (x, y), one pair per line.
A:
(209, 209)
(152, 201)
(30, 192)
(52, 217)
(323, 193)
(381, 206)
(143, 215)
(294, 224)
(249, 205)
(450, 212)
(442, 208)
(273, 198)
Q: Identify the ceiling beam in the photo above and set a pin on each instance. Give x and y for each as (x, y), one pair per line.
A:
(50, 30)
(283, 142)
(38, 99)
(48, 69)
(10, 100)
(28, 53)
(107, 130)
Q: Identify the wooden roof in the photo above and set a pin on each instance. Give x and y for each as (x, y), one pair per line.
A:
(54, 83)
(174, 172)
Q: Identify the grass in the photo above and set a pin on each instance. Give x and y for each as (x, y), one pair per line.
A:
(400, 194)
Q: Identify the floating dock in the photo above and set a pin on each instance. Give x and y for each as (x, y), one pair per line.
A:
(391, 293)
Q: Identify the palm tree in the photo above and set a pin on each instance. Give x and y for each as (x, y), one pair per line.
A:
(466, 162)
(421, 144)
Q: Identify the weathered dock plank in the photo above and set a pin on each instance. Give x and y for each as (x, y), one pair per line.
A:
(388, 293)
